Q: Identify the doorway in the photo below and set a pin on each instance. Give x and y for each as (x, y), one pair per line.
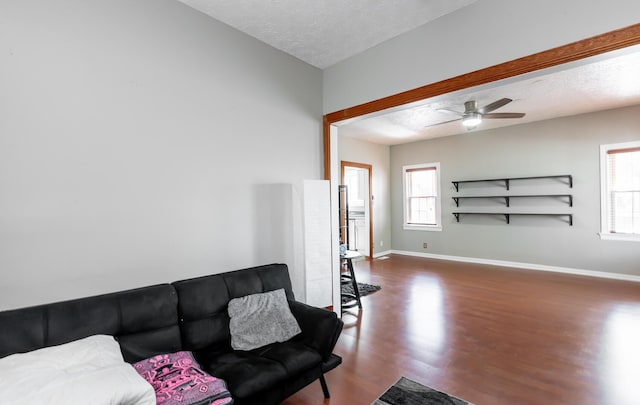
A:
(357, 177)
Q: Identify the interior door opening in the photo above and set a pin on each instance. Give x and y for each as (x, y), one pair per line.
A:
(357, 178)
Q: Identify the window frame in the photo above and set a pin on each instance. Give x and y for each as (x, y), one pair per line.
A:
(438, 204)
(605, 201)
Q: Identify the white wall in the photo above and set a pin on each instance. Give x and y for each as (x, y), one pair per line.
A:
(560, 146)
(136, 138)
(484, 34)
(378, 156)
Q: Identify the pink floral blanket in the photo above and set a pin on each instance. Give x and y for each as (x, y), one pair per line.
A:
(178, 380)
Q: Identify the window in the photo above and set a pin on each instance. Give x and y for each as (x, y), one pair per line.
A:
(422, 197)
(620, 188)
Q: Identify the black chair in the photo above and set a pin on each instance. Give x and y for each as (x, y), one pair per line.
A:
(349, 277)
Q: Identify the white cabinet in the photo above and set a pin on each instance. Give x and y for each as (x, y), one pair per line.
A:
(316, 214)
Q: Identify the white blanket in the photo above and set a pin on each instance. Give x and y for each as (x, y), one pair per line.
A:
(86, 371)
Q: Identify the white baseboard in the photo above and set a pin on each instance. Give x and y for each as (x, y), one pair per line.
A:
(380, 254)
(528, 266)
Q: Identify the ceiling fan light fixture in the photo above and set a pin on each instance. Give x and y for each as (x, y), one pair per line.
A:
(471, 120)
(474, 115)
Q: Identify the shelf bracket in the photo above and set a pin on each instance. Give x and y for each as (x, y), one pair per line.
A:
(570, 219)
(570, 201)
(570, 181)
(457, 215)
(506, 216)
(456, 199)
(506, 183)
(506, 200)
(455, 184)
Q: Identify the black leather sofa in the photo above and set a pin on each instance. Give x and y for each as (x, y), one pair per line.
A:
(191, 315)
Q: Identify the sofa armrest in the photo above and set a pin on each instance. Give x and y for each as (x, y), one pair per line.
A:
(320, 327)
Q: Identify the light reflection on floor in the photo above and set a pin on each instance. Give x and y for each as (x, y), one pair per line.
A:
(425, 318)
(620, 353)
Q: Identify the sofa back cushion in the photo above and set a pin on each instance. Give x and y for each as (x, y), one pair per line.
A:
(144, 321)
(203, 301)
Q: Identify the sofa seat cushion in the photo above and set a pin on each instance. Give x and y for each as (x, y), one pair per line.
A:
(245, 373)
(249, 372)
(295, 357)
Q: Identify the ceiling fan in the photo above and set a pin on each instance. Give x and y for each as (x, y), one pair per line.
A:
(473, 115)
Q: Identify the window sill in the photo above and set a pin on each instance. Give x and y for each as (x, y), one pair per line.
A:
(429, 228)
(620, 236)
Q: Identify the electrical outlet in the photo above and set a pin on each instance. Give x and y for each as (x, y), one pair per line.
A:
(424, 245)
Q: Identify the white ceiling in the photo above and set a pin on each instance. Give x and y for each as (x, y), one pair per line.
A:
(600, 83)
(324, 32)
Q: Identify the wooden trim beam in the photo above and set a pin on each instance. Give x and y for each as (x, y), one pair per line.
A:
(326, 145)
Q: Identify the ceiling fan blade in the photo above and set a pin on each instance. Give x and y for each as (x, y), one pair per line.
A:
(494, 106)
(446, 110)
(503, 115)
(444, 122)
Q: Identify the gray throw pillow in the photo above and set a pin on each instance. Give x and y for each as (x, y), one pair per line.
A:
(261, 319)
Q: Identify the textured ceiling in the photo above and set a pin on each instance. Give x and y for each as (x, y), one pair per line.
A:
(600, 83)
(324, 32)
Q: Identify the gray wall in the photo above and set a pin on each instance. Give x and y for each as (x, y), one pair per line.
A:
(378, 156)
(136, 139)
(483, 34)
(560, 146)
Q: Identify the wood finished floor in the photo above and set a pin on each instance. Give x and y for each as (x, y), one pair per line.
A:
(490, 335)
